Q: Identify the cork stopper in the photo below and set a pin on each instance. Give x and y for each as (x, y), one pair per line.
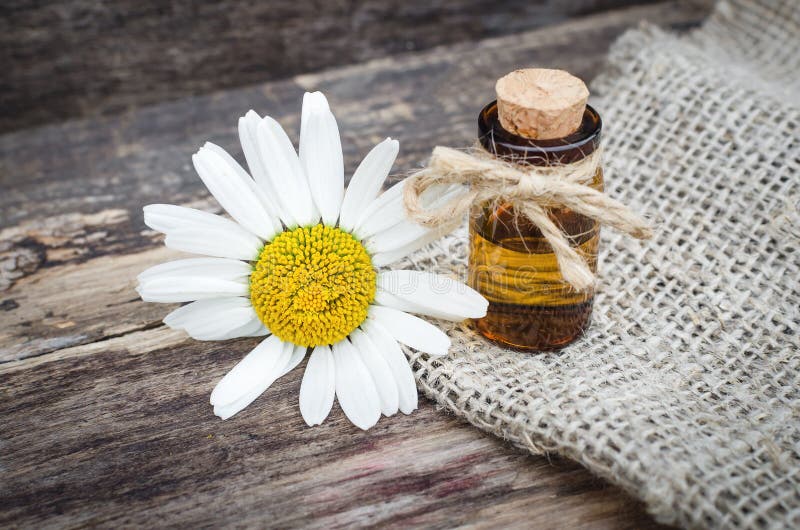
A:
(541, 104)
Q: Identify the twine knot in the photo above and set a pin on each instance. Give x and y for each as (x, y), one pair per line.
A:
(531, 190)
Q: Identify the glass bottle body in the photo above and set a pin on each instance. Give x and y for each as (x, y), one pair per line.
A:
(531, 307)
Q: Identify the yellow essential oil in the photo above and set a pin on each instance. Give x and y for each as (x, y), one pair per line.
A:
(531, 307)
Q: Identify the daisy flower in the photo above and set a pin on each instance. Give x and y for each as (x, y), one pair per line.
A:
(298, 263)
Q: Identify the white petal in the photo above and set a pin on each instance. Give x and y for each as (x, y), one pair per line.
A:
(321, 156)
(429, 294)
(312, 102)
(214, 242)
(221, 268)
(374, 212)
(389, 209)
(298, 352)
(229, 409)
(214, 319)
(167, 217)
(233, 190)
(285, 172)
(318, 386)
(379, 369)
(248, 137)
(254, 328)
(401, 370)
(367, 181)
(265, 199)
(198, 232)
(248, 124)
(189, 288)
(198, 313)
(382, 259)
(398, 236)
(257, 329)
(257, 370)
(354, 387)
(410, 330)
(406, 232)
(231, 162)
(390, 215)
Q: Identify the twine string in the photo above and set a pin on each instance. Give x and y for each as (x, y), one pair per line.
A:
(531, 191)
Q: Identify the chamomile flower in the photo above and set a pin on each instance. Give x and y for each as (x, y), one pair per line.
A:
(299, 262)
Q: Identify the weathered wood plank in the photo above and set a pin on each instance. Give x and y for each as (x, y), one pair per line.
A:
(73, 193)
(125, 436)
(83, 58)
(105, 412)
(430, 97)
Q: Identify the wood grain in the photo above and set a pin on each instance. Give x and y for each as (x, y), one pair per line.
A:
(105, 411)
(86, 58)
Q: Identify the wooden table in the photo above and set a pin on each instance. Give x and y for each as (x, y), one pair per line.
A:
(105, 414)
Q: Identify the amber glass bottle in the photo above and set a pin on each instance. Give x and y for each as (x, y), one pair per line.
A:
(531, 307)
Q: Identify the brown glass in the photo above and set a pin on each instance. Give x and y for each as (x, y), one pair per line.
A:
(530, 306)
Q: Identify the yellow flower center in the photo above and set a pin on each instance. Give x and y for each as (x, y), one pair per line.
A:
(312, 285)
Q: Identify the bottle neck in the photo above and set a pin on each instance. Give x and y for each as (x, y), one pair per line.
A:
(568, 150)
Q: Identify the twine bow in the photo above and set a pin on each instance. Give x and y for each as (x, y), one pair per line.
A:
(531, 190)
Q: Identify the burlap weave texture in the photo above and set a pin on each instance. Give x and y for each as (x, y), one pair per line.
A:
(686, 389)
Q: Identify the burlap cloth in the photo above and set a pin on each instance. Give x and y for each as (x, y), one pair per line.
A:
(686, 389)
